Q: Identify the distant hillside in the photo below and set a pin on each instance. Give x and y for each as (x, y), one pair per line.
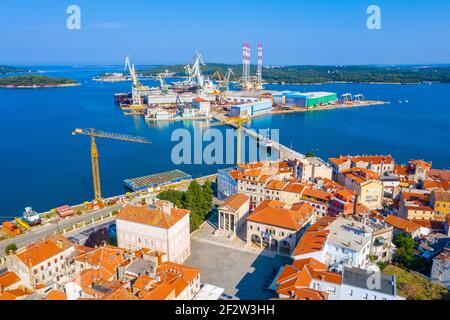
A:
(322, 74)
(35, 81)
(9, 69)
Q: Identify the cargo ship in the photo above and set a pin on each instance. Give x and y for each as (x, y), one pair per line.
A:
(31, 217)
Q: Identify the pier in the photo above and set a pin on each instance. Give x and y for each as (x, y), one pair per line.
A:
(284, 152)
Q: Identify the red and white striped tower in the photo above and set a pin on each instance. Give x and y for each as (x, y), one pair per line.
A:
(248, 62)
(244, 60)
(260, 62)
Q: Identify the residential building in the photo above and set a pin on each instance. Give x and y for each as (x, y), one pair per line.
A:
(347, 245)
(413, 204)
(360, 284)
(232, 213)
(440, 270)
(307, 279)
(227, 182)
(403, 225)
(43, 263)
(366, 185)
(160, 227)
(440, 202)
(277, 226)
(311, 168)
(382, 165)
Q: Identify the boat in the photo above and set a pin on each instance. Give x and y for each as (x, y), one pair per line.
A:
(266, 141)
(112, 77)
(31, 217)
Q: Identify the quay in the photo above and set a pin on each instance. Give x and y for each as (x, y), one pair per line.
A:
(284, 152)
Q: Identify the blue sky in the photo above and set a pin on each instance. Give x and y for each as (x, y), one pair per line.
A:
(158, 32)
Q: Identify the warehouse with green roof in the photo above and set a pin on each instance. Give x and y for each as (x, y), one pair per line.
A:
(304, 99)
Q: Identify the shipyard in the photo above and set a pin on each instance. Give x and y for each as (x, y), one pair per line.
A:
(198, 97)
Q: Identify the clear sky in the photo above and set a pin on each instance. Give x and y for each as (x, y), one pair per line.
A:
(159, 32)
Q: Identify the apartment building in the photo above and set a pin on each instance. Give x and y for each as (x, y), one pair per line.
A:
(309, 279)
(366, 185)
(43, 263)
(382, 165)
(159, 227)
(440, 202)
(310, 168)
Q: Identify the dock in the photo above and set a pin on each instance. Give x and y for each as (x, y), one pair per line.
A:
(284, 152)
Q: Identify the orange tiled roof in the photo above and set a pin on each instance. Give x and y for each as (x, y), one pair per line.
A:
(314, 238)
(107, 257)
(155, 218)
(271, 213)
(7, 279)
(236, 201)
(443, 175)
(300, 274)
(318, 194)
(44, 250)
(420, 163)
(276, 185)
(161, 292)
(120, 294)
(56, 295)
(402, 224)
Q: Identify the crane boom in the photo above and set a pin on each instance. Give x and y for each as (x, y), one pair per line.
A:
(109, 135)
(93, 133)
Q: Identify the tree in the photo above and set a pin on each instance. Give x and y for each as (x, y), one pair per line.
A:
(405, 250)
(10, 248)
(310, 154)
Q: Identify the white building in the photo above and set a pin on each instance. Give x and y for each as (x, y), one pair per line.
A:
(202, 105)
(161, 228)
(311, 168)
(440, 271)
(44, 262)
(232, 213)
(360, 284)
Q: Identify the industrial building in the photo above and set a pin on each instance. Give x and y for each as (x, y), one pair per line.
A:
(304, 100)
(251, 109)
(156, 180)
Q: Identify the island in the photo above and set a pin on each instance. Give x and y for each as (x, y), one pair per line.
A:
(35, 81)
(324, 74)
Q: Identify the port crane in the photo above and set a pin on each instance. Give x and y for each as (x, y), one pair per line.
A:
(236, 122)
(93, 133)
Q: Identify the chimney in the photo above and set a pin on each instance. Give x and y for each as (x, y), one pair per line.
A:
(59, 244)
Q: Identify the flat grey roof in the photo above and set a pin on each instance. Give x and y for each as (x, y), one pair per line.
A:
(359, 278)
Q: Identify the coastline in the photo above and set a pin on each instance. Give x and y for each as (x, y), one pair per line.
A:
(41, 86)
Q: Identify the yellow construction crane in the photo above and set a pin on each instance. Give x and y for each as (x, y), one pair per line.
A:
(237, 122)
(94, 152)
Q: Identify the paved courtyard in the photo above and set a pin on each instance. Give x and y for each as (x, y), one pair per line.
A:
(243, 272)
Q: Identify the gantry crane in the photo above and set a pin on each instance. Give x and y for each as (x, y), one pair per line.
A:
(93, 133)
(237, 122)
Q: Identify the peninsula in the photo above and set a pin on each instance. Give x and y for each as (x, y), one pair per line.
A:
(324, 74)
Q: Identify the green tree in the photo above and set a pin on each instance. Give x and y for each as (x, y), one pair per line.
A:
(10, 248)
(310, 154)
(174, 196)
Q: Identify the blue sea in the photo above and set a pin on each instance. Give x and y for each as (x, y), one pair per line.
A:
(42, 165)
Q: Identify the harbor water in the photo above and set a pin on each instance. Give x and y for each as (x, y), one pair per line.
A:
(44, 166)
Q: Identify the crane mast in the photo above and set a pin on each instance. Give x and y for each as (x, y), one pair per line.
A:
(93, 133)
